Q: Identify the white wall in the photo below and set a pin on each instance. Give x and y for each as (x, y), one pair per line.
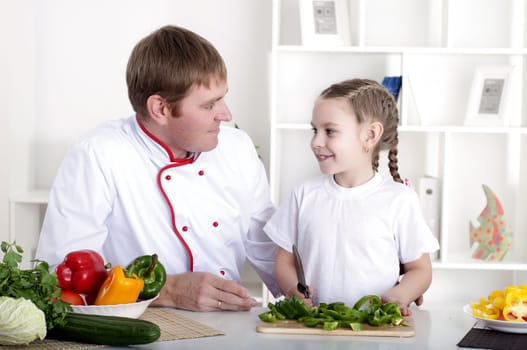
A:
(16, 100)
(64, 72)
(82, 48)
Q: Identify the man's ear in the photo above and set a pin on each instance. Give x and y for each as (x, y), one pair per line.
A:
(158, 109)
(373, 133)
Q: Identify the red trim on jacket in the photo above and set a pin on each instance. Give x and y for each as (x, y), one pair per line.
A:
(161, 143)
(175, 163)
(174, 227)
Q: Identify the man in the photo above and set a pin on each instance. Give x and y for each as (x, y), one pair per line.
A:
(170, 180)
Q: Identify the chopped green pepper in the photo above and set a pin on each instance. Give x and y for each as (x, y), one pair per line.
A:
(267, 317)
(277, 313)
(152, 272)
(369, 303)
(368, 309)
(312, 321)
(356, 326)
(378, 318)
(391, 308)
(330, 325)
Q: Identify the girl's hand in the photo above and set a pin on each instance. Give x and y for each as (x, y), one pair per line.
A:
(405, 309)
(294, 291)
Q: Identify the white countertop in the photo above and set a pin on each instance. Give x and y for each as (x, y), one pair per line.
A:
(436, 327)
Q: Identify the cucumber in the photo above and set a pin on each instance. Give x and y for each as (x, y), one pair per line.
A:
(105, 330)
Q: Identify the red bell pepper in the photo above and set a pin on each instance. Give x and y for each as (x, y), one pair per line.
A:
(82, 271)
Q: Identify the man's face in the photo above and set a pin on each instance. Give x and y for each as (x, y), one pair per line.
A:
(196, 126)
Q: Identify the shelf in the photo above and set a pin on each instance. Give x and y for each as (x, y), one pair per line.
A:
(475, 265)
(398, 50)
(31, 197)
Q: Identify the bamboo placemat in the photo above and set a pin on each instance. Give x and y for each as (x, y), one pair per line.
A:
(176, 326)
(173, 326)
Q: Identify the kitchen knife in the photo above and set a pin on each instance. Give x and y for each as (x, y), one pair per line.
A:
(302, 285)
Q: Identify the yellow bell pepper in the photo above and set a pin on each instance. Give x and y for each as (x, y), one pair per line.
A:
(119, 288)
(509, 304)
(485, 309)
(516, 305)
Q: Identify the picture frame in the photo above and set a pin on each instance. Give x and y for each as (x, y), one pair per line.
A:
(489, 95)
(324, 22)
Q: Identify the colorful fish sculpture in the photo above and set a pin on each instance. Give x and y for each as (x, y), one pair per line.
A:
(492, 239)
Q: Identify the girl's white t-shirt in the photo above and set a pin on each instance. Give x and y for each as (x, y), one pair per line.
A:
(352, 239)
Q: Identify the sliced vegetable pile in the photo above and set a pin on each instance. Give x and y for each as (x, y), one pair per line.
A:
(509, 304)
(368, 309)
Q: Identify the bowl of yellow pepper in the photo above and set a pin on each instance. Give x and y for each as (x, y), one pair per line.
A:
(127, 292)
(503, 310)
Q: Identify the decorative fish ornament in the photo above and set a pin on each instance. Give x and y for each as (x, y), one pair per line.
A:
(492, 239)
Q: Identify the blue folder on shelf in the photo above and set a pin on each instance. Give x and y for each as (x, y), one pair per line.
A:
(393, 84)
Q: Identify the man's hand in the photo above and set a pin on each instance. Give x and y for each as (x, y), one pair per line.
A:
(202, 291)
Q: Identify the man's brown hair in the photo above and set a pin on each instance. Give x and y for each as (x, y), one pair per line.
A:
(168, 63)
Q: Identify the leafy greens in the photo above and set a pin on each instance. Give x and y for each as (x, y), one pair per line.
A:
(37, 285)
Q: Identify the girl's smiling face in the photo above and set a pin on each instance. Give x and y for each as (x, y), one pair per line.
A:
(339, 142)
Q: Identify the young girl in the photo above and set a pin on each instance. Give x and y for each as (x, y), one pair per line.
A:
(351, 226)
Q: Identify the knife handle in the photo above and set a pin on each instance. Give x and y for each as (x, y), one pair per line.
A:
(303, 289)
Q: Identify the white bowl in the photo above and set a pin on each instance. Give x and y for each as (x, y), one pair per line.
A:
(499, 325)
(132, 310)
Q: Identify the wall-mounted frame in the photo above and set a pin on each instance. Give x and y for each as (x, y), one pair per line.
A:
(488, 101)
(324, 22)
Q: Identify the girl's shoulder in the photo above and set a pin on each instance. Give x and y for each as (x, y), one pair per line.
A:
(397, 189)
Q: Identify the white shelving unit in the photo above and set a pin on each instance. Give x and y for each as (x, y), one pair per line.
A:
(435, 45)
(26, 212)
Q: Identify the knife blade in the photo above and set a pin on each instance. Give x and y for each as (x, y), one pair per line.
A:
(302, 285)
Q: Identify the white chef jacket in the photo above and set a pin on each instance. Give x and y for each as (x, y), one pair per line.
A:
(120, 191)
(352, 239)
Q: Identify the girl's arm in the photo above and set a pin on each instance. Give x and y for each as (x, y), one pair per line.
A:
(285, 274)
(413, 284)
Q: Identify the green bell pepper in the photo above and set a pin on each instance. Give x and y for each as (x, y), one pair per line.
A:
(152, 272)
